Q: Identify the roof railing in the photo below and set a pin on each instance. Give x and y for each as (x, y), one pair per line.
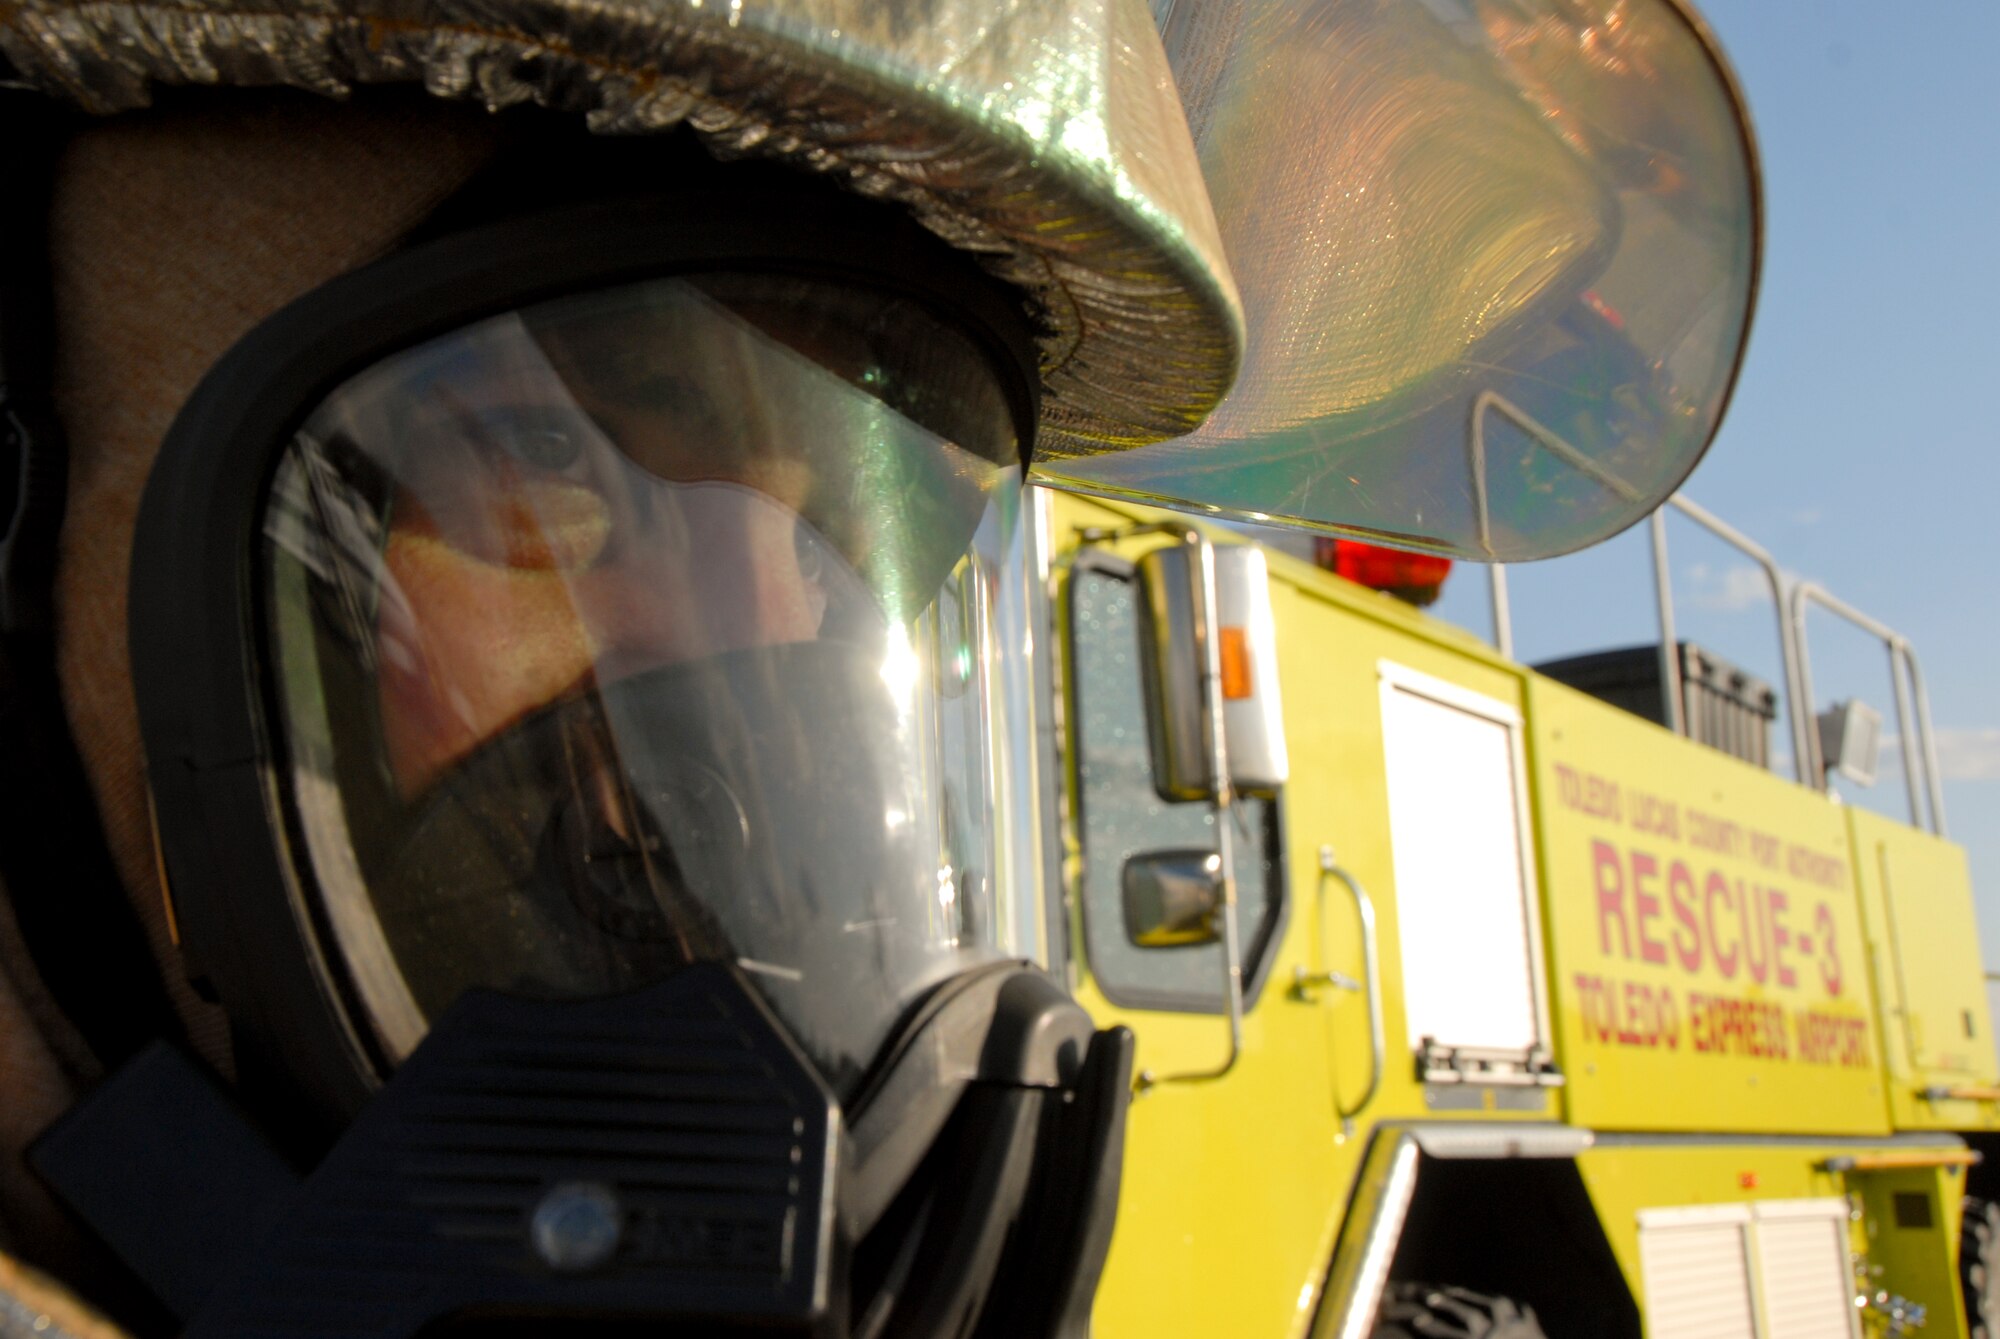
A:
(1919, 747)
(1790, 599)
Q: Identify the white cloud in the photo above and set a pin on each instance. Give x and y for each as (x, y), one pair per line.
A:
(1963, 755)
(1969, 755)
(1808, 516)
(1731, 590)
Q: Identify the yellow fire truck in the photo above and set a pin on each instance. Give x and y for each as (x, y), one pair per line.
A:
(1539, 1000)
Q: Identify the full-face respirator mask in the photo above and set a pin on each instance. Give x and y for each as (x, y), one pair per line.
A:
(564, 651)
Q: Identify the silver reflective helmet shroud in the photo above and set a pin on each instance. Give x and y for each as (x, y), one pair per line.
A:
(1497, 258)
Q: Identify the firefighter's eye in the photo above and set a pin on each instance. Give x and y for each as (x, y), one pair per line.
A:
(542, 439)
(806, 548)
(548, 438)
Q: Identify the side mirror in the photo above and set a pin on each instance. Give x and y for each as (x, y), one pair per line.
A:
(1173, 898)
(1173, 644)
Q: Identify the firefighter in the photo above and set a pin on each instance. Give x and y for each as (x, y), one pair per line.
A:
(507, 510)
(467, 851)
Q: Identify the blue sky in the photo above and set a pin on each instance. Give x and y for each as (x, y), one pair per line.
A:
(1861, 445)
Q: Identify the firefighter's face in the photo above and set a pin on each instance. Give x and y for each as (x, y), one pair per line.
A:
(594, 623)
(565, 524)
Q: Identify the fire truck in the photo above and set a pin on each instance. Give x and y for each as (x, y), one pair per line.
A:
(1528, 990)
(1465, 990)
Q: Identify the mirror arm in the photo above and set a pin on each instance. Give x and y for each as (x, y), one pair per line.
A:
(1222, 794)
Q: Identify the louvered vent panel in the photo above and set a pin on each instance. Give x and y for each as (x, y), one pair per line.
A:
(1697, 1279)
(683, 1101)
(1802, 1267)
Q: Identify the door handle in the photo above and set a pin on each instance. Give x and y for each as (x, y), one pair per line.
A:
(1304, 982)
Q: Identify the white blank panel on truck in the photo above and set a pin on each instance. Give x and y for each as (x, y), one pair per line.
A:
(1464, 870)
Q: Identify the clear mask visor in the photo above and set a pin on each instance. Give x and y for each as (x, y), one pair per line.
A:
(645, 627)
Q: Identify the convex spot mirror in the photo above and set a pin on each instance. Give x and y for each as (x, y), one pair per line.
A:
(1174, 633)
(1173, 898)
(1497, 261)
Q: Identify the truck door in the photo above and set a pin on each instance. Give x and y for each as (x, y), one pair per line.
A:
(1923, 950)
(1228, 1192)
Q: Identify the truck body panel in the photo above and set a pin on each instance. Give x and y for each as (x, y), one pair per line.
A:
(1703, 970)
(1923, 951)
(1705, 936)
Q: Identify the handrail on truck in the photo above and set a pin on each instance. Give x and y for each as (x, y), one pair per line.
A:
(1790, 598)
(1919, 747)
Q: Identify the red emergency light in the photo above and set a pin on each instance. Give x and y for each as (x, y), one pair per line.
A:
(1415, 578)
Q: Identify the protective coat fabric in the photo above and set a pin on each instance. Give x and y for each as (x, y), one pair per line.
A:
(1045, 136)
(152, 293)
